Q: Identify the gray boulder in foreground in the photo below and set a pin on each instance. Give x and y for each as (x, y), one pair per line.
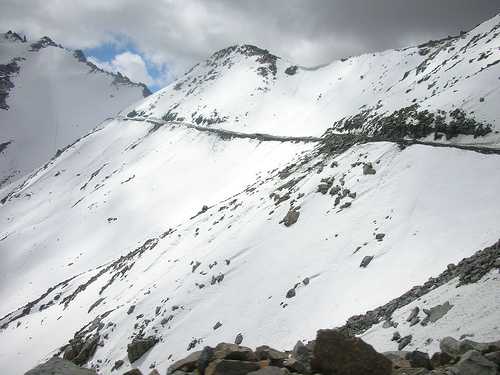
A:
(58, 366)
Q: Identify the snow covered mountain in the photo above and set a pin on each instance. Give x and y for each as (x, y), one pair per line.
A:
(260, 200)
(50, 97)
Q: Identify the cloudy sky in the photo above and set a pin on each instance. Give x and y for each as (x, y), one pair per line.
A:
(155, 41)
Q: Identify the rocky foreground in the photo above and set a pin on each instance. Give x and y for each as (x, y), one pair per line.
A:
(334, 352)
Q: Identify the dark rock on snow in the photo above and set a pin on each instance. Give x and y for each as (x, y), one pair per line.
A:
(139, 346)
(366, 261)
(337, 353)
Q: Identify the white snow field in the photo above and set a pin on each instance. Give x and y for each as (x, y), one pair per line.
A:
(55, 99)
(187, 225)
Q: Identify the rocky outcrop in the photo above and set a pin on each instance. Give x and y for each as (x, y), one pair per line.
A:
(468, 270)
(139, 346)
(58, 366)
(337, 353)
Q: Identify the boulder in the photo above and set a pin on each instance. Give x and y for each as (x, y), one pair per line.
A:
(368, 169)
(413, 314)
(238, 339)
(234, 352)
(337, 353)
(270, 370)
(118, 364)
(366, 261)
(291, 217)
(274, 356)
(231, 367)
(450, 346)
(419, 359)
(188, 364)
(435, 313)
(440, 359)
(134, 371)
(58, 366)
(139, 346)
(493, 357)
(404, 342)
(473, 363)
(87, 351)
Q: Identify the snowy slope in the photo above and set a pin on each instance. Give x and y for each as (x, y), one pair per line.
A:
(146, 228)
(50, 97)
(245, 88)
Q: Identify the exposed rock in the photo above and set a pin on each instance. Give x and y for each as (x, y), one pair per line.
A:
(291, 217)
(118, 364)
(493, 357)
(337, 353)
(290, 293)
(270, 370)
(139, 346)
(217, 325)
(231, 367)
(274, 356)
(154, 372)
(366, 261)
(419, 359)
(435, 313)
(206, 355)
(473, 363)
(234, 352)
(134, 371)
(238, 339)
(58, 366)
(440, 359)
(188, 364)
(368, 169)
(379, 236)
(404, 342)
(87, 351)
(396, 336)
(413, 314)
(131, 309)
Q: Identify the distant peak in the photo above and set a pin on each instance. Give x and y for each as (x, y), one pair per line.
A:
(11, 35)
(243, 49)
(43, 43)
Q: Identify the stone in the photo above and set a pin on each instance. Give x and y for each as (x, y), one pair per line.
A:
(493, 357)
(217, 325)
(340, 354)
(404, 342)
(435, 313)
(139, 346)
(231, 367)
(413, 314)
(187, 364)
(58, 366)
(238, 339)
(270, 370)
(154, 372)
(131, 309)
(413, 371)
(134, 371)
(297, 366)
(206, 355)
(87, 351)
(450, 346)
(398, 359)
(118, 364)
(473, 363)
(368, 169)
(366, 261)
(290, 293)
(234, 352)
(379, 236)
(440, 359)
(291, 217)
(396, 336)
(419, 359)
(274, 356)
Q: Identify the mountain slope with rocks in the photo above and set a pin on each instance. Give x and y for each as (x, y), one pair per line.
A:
(210, 212)
(49, 97)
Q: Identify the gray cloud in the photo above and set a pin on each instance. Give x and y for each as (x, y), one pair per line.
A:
(180, 33)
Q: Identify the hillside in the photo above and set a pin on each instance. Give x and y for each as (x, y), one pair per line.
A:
(254, 200)
(49, 97)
